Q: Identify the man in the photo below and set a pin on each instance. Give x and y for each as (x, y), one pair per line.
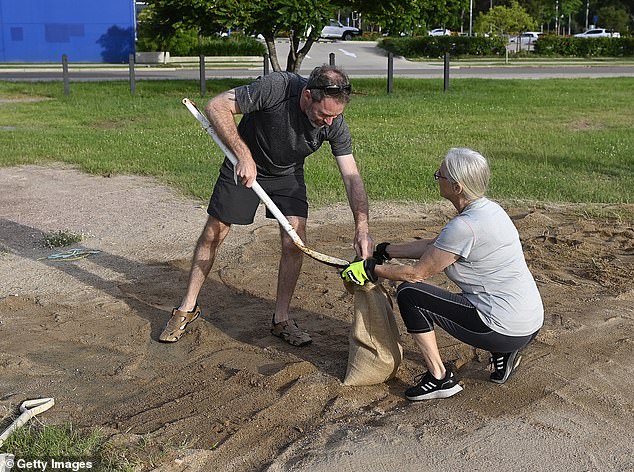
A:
(285, 119)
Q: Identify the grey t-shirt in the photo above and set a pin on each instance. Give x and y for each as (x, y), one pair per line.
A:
(491, 270)
(279, 135)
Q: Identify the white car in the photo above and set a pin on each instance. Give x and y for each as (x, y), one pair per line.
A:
(528, 37)
(439, 32)
(335, 30)
(598, 33)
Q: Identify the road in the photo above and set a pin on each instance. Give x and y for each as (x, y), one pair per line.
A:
(358, 58)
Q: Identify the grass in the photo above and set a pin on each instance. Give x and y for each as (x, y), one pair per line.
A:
(61, 238)
(556, 140)
(67, 445)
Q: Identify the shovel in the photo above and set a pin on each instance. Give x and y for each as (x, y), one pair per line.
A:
(28, 410)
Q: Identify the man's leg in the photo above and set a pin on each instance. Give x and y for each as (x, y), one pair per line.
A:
(209, 241)
(289, 268)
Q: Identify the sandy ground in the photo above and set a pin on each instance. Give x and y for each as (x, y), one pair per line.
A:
(230, 397)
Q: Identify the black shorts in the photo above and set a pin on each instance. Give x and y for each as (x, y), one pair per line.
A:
(237, 204)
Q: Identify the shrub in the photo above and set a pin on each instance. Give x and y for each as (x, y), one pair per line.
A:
(584, 47)
(234, 45)
(437, 46)
(187, 43)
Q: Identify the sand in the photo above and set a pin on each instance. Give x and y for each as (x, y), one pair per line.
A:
(230, 397)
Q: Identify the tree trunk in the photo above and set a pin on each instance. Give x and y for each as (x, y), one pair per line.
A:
(296, 54)
(291, 60)
(270, 46)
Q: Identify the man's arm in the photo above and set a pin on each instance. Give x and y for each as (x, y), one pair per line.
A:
(221, 111)
(358, 200)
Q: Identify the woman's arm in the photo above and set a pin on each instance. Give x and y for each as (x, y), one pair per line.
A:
(432, 261)
(411, 250)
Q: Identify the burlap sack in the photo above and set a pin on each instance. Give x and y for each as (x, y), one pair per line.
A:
(375, 351)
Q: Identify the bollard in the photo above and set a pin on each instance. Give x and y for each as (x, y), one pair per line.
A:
(446, 74)
(331, 58)
(203, 80)
(132, 76)
(390, 73)
(266, 63)
(65, 74)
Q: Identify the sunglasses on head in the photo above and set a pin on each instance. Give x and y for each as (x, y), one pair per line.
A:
(334, 89)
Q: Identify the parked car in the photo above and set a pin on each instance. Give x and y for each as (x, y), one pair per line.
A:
(439, 32)
(529, 37)
(335, 30)
(598, 33)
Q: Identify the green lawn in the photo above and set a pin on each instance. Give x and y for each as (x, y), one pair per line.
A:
(547, 140)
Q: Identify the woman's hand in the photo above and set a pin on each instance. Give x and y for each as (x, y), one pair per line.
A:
(360, 272)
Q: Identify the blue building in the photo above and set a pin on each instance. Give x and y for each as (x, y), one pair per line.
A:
(84, 30)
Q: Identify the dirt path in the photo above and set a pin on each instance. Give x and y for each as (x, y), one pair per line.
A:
(230, 397)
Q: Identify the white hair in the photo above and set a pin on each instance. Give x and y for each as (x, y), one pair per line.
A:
(470, 169)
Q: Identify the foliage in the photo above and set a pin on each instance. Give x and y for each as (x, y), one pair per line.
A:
(61, 238)
(301, 20)
(437, 46)
(615, 18)
(162, 21)
(234, 45)
(177, 43)
(505, 20)
(410, 16)
(567, 46)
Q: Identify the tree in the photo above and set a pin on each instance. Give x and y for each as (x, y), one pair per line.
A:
(614, 18)
(398, 16)
(393, 16)
(505, 20)
(301, 20)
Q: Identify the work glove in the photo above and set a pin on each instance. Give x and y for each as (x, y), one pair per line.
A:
(360, 272)
(380, 253)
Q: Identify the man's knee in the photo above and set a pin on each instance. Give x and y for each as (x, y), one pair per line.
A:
(289, 248)
(213, 233)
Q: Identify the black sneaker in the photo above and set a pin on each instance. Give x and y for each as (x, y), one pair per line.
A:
(503, 365)
(429, 387)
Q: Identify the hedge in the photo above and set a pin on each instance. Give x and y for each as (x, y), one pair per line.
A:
(187, 43)
(437, 46)
(584, 47)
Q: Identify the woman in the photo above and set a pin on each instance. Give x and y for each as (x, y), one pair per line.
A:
(499, 310)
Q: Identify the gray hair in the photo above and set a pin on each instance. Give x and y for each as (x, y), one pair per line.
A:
(325, 75)
(470, 169)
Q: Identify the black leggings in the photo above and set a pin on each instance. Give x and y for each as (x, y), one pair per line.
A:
(423, 305)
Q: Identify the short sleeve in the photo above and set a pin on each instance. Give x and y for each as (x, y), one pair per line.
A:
(263, 93)
(457, 237)
(340, 139)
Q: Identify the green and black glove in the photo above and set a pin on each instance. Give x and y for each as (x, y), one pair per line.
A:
(360, 272)
(380, 253)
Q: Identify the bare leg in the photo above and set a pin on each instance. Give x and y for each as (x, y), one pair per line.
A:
(428, 346)
(209, 241)
(289, 268)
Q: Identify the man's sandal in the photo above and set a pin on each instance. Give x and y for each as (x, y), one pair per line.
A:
(178, 322)
(290, 332)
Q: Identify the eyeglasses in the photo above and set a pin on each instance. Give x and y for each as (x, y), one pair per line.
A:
(437, 176)
(333, 89)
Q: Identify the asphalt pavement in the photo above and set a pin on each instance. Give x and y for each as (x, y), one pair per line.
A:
(358, 58)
